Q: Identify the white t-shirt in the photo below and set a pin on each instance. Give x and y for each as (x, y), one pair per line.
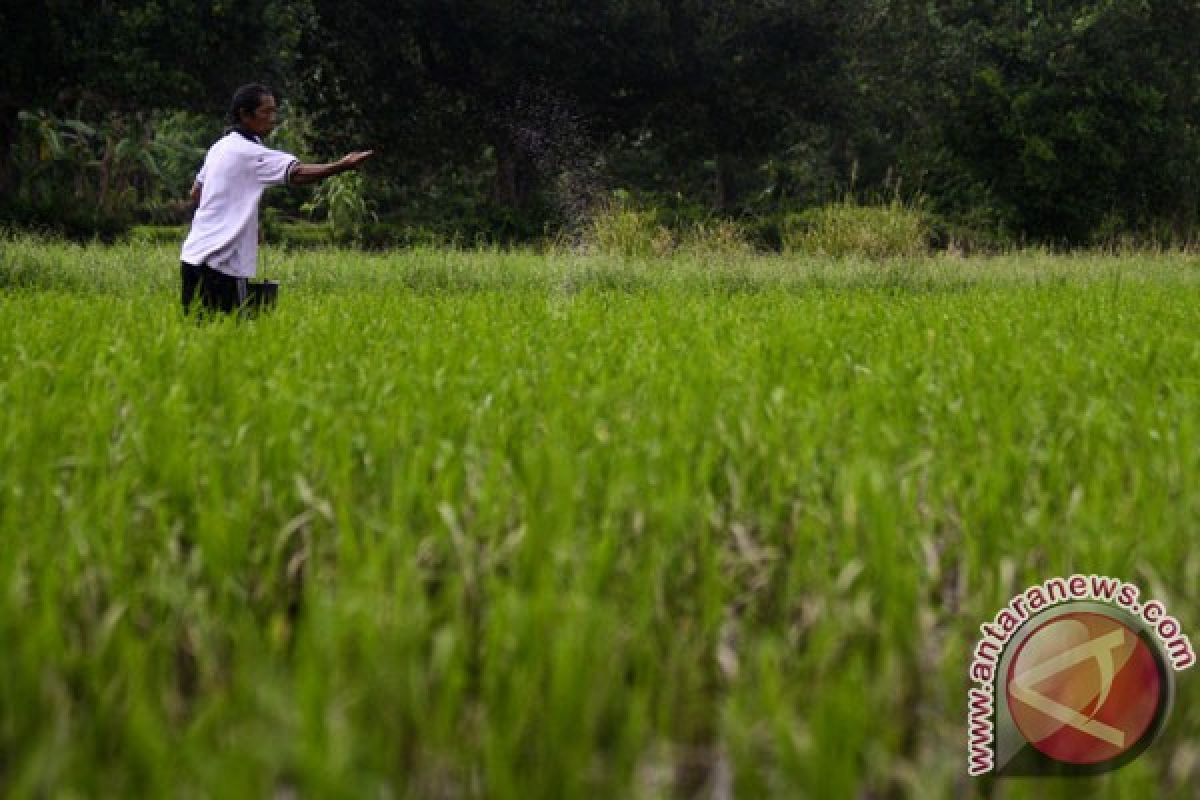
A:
(224, 232)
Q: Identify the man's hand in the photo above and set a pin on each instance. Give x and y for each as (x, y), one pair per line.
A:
(352, 160)
(185, 206)
(303, 174)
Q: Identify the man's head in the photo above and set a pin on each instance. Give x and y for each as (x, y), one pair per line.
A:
(253, 109)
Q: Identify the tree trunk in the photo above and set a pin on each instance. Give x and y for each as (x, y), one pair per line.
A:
(106, 161)
(516, 176)
(727, 188)
(8, 140)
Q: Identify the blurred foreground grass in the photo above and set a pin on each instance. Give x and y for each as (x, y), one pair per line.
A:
(505, 525)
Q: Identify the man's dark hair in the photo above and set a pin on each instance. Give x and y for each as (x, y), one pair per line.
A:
(246, 99)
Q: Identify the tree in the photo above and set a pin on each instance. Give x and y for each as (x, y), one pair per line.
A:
(738, 76)
(149, 54)
(446, 80)
(1082, 116)
(712, 79)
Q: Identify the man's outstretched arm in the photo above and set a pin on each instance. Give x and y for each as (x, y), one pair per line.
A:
(303, 174)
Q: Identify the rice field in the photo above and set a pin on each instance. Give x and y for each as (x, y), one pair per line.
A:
(515, 525)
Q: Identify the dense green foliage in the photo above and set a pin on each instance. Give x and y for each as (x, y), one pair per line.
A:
(456, 524)
(1070, 122)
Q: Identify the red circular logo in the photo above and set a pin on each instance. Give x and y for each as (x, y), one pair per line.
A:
(1084, 688)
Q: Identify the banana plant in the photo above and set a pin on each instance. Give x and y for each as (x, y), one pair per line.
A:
(52, 152)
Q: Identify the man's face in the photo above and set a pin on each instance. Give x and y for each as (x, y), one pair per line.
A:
(262, 121)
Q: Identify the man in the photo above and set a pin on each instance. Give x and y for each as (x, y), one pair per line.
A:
(221, 250)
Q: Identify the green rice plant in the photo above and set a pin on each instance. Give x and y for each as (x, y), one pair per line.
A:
(505, 525)
(848, 229)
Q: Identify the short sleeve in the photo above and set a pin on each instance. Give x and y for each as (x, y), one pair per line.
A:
(272, 166)
(201, 175)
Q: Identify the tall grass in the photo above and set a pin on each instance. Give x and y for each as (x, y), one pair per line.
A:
(454, 524)
(629, 233)
(894, 230)
(639, 234)
(841, 230)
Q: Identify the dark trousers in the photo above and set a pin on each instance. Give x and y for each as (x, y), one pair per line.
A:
(210, 289)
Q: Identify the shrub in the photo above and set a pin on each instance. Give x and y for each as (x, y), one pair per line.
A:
(345, 204)
(848, 229)
(302, 235)
(65, 217)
